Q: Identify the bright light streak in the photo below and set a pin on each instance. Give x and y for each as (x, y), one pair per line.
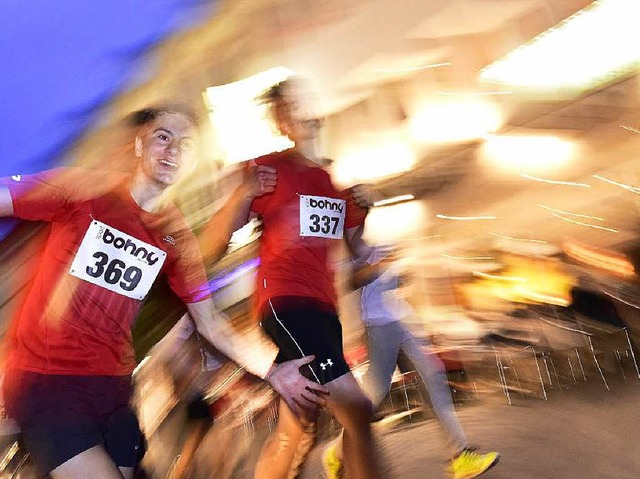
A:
(528, 153)
(8, 456)
(141, 364)
(472, 93)
(395, 199)
(594, 46)
(518, 239)
(373, 162)
(466, 218)
(472, 258)
(424, 238)
(571, 214)
(411, 69)
(580, 223)
(554, 182)
(630, 128)
(396, 222)
(607, 260)
(245, 235)
(621, 300)
(463, 119)
(236, 117)
(633, 189)
(542, 298)
(515, 279)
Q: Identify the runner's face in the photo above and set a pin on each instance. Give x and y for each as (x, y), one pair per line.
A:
(166, 148)
(294, 113)
(296, 128)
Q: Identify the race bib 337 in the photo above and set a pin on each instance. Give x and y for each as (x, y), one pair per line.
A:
(117, 261)
(321, 216)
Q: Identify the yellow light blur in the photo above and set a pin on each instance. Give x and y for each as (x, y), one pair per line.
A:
(241, 125)
(395, 222)
(592, 47)
(517, 279)
(527, 153)
(526, 280)
(454, 121)
(373, 162)
(542, 298)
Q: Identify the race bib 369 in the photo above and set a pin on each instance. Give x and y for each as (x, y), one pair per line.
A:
(117, 261)
(321, 216)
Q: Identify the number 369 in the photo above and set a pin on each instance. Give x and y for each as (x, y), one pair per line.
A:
(114, 271)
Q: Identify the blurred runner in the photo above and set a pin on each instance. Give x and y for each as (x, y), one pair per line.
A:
(68, 378)
(204, 387)
(302, 219)
(388, 338)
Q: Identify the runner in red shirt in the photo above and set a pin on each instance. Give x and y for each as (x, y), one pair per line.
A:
(302, 219)
(68, 376)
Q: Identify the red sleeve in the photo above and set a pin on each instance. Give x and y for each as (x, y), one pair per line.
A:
(186, 273)
(40, 197)
(355, 215)
(258, 205)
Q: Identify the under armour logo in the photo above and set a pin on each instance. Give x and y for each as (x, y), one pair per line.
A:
(328, 363)
(169, 239)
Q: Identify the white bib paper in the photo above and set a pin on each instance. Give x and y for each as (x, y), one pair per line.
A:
(321, 216)
(117, 261)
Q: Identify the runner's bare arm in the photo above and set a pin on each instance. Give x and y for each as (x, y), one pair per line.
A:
(257, 357)
(357, 245)
(215, 236)
(364, 273)
(6, 204)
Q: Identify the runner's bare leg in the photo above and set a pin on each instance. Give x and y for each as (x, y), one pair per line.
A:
(94, 463)
(353, 410)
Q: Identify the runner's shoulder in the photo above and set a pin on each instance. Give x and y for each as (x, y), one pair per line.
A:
(273, 159)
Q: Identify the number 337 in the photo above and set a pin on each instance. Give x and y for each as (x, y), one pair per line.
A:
(323, 224)
(114, 271)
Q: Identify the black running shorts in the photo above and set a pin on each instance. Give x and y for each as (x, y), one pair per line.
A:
(62, 416)
(302, 327)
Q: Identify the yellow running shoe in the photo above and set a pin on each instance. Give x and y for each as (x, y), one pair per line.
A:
(470, 463)
(331, 463)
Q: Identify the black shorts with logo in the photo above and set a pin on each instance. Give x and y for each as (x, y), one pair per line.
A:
(301, 327)
(62, 416)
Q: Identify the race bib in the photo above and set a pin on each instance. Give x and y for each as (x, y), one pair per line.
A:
(321, 216)
(116, 261)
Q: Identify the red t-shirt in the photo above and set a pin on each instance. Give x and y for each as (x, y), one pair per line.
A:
(301, 221)
(102, 255)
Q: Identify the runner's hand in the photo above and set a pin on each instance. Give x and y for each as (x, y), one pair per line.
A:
(365, 195)
(304, 397)
(260, 180)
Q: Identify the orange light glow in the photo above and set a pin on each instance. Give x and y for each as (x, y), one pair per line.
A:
(606, 260)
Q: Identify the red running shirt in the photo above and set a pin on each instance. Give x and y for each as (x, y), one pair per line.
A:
(102, 255)
(301, 221)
